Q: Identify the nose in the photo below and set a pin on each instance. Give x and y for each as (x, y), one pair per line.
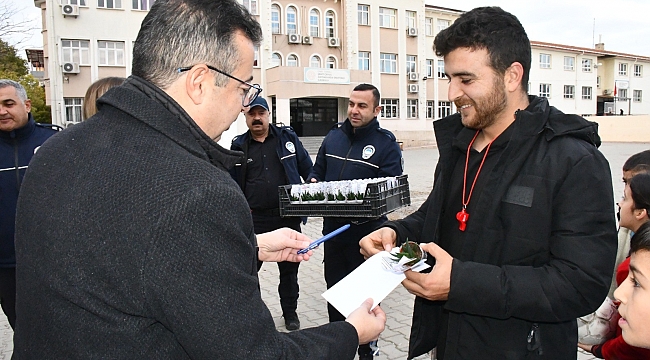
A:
(454, 92)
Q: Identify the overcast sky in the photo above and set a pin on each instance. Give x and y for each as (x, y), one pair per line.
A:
(624, 24)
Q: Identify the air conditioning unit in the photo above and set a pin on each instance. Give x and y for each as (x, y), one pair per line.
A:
(333, 42)
(413, 76)
(70, 68)
(307, 40)
(412, 31)
(295, 39)
(607, 92)
(70, 10)
(414, 88)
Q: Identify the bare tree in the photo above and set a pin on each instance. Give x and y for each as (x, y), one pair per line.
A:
(14, 27)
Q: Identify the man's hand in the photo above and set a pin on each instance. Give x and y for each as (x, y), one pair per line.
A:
(434, 285)
(369, 324)
(282, 245)
(584, 347)
(377, 241)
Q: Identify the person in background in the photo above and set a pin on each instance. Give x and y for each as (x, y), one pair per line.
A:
(20, 137)
(95, 91)
(273, 156)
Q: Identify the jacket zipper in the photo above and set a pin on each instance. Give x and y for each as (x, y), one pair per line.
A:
(534, 341)
(346, 160)
(17, 166)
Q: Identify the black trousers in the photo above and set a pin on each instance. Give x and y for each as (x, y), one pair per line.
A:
(8, 294)
(288, 288)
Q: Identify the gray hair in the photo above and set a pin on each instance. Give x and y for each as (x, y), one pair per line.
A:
(20, 90)
(179, 33)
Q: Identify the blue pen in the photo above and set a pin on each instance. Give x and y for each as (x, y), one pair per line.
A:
(315, 244)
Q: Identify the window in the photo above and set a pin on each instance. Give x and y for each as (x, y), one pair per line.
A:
(73, 109)
(314, 21)
(586, 92)
(76, 51)
(429, 68)
(141, 4)
(443, 24)
(389, 108)
(256, 59)
(388, 63)
(251, 6)
(622, 94)
(444, 109)
(430, 109)
(545, 61)
(636, 95)
(441, 69)
(545, 90)
(638, 70)
(330, 25)
(292, 60)
(275, 19)
(410, 19)
(109, 4)
(292, 20)
(364, 60)
(363, 13)
(428, 26)
(410, 64)
(276, 60)
(331, 62)
(586, 65)
(76, 2)
(111, 53)
(569, 91)
(387, 17)
(569, 63)
(315, 61)
(411, 108)
(622, 69)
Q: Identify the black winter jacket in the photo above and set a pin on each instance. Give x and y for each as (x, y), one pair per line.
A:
(541, 244)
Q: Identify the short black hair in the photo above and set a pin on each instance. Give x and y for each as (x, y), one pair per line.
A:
(640, 189)
(492, 29)
(640, 241)
(369, 87)
(639, 162)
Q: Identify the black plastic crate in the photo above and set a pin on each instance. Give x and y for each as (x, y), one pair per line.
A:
(377, 201)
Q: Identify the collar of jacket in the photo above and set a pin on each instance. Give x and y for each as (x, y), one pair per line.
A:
(20, 133)
(352, 132)
(170, 124)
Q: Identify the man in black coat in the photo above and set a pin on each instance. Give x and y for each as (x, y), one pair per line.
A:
(132, 239)
(520, 220)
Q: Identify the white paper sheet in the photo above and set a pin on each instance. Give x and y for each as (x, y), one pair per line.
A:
(370, 280)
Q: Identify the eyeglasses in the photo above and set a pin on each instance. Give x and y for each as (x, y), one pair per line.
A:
(249, 96)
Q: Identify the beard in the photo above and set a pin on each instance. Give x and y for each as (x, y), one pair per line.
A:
(487, 108)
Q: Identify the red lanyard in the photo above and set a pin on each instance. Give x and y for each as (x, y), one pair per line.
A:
(462, 216)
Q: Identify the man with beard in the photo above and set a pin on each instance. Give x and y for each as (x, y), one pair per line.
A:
(520, 222)
(273, 156)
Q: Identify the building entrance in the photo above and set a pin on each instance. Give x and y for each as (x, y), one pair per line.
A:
(313, 116)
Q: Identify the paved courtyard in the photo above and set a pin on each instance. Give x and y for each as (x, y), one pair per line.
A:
(419, 165)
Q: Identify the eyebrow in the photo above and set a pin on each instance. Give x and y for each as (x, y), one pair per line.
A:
(461, 73)
(636, 271)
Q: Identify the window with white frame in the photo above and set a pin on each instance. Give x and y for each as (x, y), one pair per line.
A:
(444, 109)
(251, 6)
(586, 92)
(430, 109)
(109, 4)
(111, 53)
(636, 95)
(314, 23)
(363, 14)
(275, 19)
(387, 17)
(622, 69)
(292, 60)
(410, 19)
(569, 91)
(443, 24)
(73, 109)
(638, 70)
(410, 63)
(569, 63)
(430, 68)
(587, 65)
(622, 94)
(292, 20)
(545, 90)
(428, 26)
(388, 63)
(389, 108)
(256, 59)
(411, 108)
(315, 61)
(276, 60)
(331, 62)
(141, 4)
(75, 2)
(441, 69)
(364, 60)
(76, 51)
(330, 24)
(545, 61)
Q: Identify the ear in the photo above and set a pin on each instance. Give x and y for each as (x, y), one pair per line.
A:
(641, 214)
(28, 105)
(197, 82)
(512, 77)
(377, 110)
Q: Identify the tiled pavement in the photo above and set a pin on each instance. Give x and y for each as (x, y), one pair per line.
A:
(419, 164)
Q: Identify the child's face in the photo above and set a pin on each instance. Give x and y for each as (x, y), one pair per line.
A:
(634, 295)
(630, 217)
